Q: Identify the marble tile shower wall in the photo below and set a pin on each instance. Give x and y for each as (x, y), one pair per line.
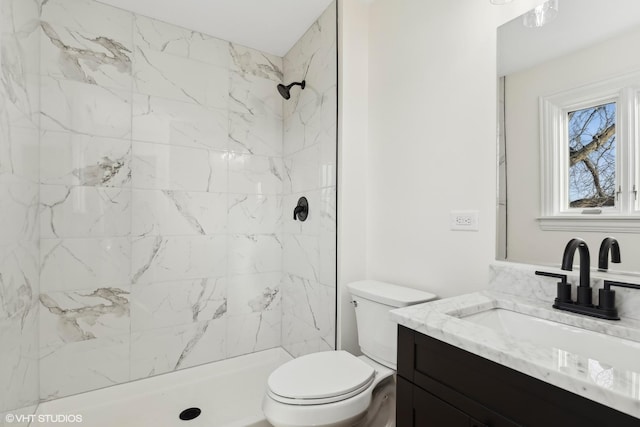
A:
(309, 285)
(161, 182)
(19, 282)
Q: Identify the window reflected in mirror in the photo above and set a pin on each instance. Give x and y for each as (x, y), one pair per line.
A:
(592, 156)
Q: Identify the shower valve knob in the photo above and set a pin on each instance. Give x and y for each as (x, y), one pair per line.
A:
(301, 211)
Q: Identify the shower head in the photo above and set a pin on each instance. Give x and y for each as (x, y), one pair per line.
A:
(285, 91)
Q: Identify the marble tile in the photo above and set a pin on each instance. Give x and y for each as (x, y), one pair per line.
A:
(250, 62)
(74, 264)
(73, 316)
(21, 108)
(313, 58)
(69, 212)
(82, 160)
(513, 279)
(254, 253)
(299, 338)
(320, 75)
(167, 38)
(249, 174)
(328, 111)
(302, 129)
(165, 167)
(85, 108)
(186, 124)
(168, 212)
(165, 304)
(310, 302)
(328, 212)
(24, 413)
(89, 17)
(20, 41)
(253, 332)
(309, 140)
(158, 258)
(19, 283)
(87, 42)
(19, 152)
(163, 350)
(254, 214)
(627, 303)
(327, 258)
(19, 207)
(328, 159)
(302, 170)
(255, 116)
(19, 47)
(254, 293)
(254, 95)
(191, 212)
(181, 79)
(19, 360)
(301, 256)
(82, 366)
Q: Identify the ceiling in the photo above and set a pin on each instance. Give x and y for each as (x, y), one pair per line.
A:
(580, 23)
(271, 26)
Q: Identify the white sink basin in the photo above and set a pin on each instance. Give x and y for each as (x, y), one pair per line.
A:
(567, 341)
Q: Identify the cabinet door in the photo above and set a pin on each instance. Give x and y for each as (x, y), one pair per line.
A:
(429, 411)
(418, 408)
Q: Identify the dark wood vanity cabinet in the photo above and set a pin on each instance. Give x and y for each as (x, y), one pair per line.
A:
(440, 385)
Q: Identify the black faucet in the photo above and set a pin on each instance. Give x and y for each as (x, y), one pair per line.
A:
(584, 290)
(608, 244)
(606, 308)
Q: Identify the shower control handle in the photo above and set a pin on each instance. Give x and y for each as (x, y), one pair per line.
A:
(301, 212)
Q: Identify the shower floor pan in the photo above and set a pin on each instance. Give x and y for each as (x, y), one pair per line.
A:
(227, 393)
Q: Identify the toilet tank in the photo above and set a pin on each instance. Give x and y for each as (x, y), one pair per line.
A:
(377, 333)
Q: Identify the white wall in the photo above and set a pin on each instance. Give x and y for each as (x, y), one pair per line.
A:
(526, 241)
(353, 72)
(430, 143)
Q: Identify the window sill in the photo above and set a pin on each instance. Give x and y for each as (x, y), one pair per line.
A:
(607, 224)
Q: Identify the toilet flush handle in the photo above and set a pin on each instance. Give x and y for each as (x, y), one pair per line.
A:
(355, 303)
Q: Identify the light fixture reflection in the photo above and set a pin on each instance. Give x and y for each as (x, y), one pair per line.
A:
(541, 15)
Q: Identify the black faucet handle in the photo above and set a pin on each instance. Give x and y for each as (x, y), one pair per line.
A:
(562, 277)
(609, 283)
(563, 288)
(301, 211)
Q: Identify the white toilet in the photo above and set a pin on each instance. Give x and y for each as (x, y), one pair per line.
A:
(335, 388)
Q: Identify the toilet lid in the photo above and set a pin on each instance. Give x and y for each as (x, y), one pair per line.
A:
(322, 376)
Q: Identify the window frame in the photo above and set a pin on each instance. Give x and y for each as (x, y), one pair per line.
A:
(554, 171)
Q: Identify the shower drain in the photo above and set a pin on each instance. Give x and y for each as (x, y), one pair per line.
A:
(190, 414)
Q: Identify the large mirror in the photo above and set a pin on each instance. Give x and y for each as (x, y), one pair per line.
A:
(588, 45)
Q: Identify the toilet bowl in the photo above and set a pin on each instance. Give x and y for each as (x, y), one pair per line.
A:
(331, 388)
(335, 388)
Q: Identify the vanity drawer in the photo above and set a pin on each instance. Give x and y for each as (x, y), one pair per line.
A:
(423, 409)
(473, 384)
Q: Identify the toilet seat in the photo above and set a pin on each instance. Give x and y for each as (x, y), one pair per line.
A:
(320, 378)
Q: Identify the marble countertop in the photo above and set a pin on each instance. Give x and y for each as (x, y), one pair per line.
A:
(614, 387)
